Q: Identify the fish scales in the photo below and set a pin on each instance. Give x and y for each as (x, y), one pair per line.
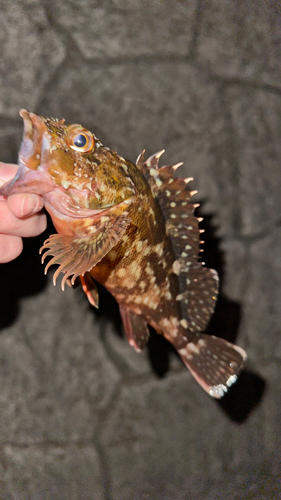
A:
(130, 227)
(136, 270)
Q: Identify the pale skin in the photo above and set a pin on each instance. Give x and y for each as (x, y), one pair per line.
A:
(21, 216)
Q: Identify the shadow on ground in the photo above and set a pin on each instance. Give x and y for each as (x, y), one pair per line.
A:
(23, 277)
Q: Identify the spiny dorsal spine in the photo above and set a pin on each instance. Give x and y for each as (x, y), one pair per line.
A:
(198, 284)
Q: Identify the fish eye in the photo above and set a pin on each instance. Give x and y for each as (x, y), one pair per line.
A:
(80, 140)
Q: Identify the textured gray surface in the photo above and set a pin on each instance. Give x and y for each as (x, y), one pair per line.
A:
(82, 415)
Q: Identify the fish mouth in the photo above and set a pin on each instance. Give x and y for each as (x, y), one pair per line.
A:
(30, 177)
(33, 137)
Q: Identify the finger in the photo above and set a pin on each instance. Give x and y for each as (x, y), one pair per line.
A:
(24, 205)
(31, 226)
(10, 247)
(7, 172)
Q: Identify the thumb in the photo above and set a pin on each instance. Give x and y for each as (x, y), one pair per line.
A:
(23, 204)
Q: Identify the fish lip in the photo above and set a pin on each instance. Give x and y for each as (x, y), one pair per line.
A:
(33, 133)
(30, 154)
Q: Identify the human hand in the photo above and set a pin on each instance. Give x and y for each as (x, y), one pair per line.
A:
(20, 216)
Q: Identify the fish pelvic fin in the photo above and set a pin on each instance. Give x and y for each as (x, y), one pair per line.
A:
(90, 289)
(135, 327)
(213, 362)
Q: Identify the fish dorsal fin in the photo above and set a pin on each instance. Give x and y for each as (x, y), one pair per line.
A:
(198, 284)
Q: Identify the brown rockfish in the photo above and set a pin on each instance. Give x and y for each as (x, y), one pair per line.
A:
(130, 227)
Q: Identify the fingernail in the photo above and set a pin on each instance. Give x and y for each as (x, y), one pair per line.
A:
(29, 205)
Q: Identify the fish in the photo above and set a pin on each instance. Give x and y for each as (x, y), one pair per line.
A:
(130, 227)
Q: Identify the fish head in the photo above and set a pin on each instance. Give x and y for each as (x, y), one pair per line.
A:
(69, 167)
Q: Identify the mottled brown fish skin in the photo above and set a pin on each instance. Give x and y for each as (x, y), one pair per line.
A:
(138, 270)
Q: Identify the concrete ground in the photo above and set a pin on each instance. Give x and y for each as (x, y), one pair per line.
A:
(82, 416)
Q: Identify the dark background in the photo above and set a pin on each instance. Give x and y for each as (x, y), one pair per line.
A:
(82, 415)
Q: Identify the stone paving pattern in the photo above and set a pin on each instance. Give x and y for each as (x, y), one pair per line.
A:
(82, 416)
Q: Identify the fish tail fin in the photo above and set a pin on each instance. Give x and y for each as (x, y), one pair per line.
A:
(213, 362)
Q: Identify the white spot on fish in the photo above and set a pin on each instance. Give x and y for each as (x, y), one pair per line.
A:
(185, 354)
(159, 249)
(149, 270)
(112, 255)
(147, 250)
(184, 323)
(65, 184)
(139, 246)
(153, 172)
(142, 285)
(176, 267)
(217, 391)
(192, 347)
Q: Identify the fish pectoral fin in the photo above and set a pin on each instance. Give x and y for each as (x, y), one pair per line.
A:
(90, 289)
(213, 362)
(78, 254)
(135, 327)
